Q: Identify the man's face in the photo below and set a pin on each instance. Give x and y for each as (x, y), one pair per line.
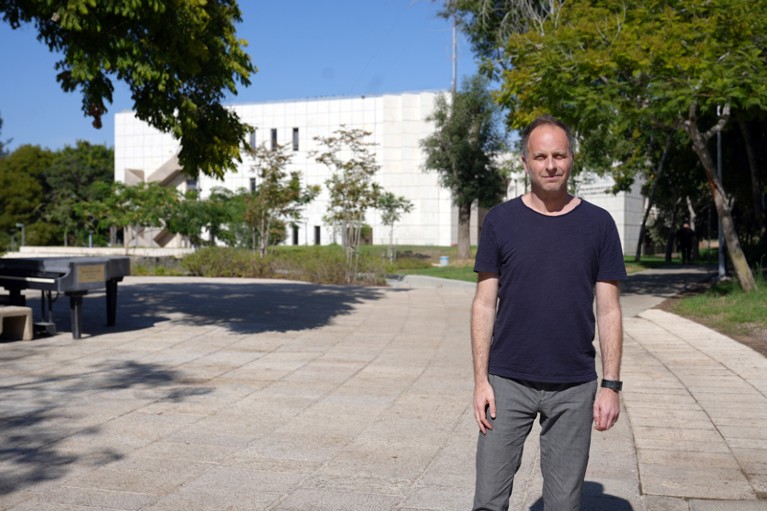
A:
(548, 161)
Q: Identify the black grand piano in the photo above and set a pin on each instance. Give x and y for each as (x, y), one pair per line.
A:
(73, 276)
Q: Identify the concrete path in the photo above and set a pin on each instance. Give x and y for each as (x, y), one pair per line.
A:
(248, 395)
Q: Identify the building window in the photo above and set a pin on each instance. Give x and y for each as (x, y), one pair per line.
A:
(317, 235)
(295, 235)
(274, 138)
(295, 139)
(252, 184)
(253, 139)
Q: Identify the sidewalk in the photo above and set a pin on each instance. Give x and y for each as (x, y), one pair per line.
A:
(216, 394)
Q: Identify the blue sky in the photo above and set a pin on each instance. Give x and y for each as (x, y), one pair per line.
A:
(302, 48)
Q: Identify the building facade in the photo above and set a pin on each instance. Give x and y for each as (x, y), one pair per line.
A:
(397, 123)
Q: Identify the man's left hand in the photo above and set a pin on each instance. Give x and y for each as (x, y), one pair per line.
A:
(607, 408)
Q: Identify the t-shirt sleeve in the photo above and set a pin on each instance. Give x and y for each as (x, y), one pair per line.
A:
(611, 263)
(487, 259)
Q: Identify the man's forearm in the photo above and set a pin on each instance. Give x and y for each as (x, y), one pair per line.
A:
(482, 319)
(610, 321)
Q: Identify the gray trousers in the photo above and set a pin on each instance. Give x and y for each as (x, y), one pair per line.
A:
(566, 416)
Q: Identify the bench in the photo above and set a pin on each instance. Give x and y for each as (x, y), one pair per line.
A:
(15, 322)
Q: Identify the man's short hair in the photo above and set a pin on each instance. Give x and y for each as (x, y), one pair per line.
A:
(547, 120)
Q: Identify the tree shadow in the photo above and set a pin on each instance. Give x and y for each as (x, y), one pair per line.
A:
(246, 308)
(35, 415)
(594, 499)
(665, 283)
(38, 411)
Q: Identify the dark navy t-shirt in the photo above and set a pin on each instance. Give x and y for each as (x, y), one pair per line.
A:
(547, 268)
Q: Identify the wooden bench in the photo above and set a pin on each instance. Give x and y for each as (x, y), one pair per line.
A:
(15, 322)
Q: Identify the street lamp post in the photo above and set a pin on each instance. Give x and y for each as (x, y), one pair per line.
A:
(23, 241)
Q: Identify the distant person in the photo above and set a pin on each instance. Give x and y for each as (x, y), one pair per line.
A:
(684, 240)
(542, 258)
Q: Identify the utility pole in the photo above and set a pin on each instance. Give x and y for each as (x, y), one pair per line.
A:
(455, 57)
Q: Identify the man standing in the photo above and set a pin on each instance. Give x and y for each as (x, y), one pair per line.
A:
(542, 258)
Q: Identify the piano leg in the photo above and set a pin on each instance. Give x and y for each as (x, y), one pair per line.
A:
(16, 298)
(111, 301)
(75, 311)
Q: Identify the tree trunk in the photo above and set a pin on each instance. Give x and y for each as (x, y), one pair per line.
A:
(671, 236)
(756, 187)
(464, 231)
(694, 227)
(651, 198)
(722, 203)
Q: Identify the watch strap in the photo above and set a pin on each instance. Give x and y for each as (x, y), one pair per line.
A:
(615, 385)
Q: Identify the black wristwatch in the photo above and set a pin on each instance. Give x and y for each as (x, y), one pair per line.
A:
(615, 385)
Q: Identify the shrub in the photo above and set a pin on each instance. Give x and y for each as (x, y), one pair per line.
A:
(228, 262)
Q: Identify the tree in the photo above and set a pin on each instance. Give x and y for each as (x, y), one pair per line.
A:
(22, 192)
(72, 178)
(178, 58)
(489, 23)
(141, 206)
(352, 190)
(392, 208)
(464, 150)
(680, 65)
(279, 196)
(188, 219)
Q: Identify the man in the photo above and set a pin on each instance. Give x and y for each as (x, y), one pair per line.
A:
(541, 260)
(684, 237)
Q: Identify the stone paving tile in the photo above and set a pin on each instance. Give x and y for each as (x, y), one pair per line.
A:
(353, 410)
(328, 500)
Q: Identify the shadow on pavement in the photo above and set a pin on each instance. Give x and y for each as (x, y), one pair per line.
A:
(665, 282)
(594, 499)
(246, 308)
(36, 413)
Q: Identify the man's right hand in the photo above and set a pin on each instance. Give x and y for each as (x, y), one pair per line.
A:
(484, 405)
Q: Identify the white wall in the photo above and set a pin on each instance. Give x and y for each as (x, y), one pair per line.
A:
(397, 123)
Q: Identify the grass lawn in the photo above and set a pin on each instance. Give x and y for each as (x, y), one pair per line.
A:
(464, 270)
(728, 310)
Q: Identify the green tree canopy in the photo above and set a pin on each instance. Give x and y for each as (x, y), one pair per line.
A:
(464, 150)
(178, 57)
(22, 194)
(617, 69)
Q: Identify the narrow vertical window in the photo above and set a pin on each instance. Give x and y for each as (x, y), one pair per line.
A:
(274, 138)
(295, 139)
(317, 235)
(295, 235)
(252, 184)
(253, 139)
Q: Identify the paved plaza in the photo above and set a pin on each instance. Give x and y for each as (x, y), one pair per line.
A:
(243, 394)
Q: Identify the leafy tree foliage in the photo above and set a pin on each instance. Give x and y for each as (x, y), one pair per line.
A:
(352, 190)
(22, 194)
(178, 57)
(392, 207)
(279, 196)
(464, 150)
(189, 218)
(607, 66)
(75, 176)
(489, 23)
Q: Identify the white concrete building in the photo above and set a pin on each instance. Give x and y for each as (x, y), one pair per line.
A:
(397, 123)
